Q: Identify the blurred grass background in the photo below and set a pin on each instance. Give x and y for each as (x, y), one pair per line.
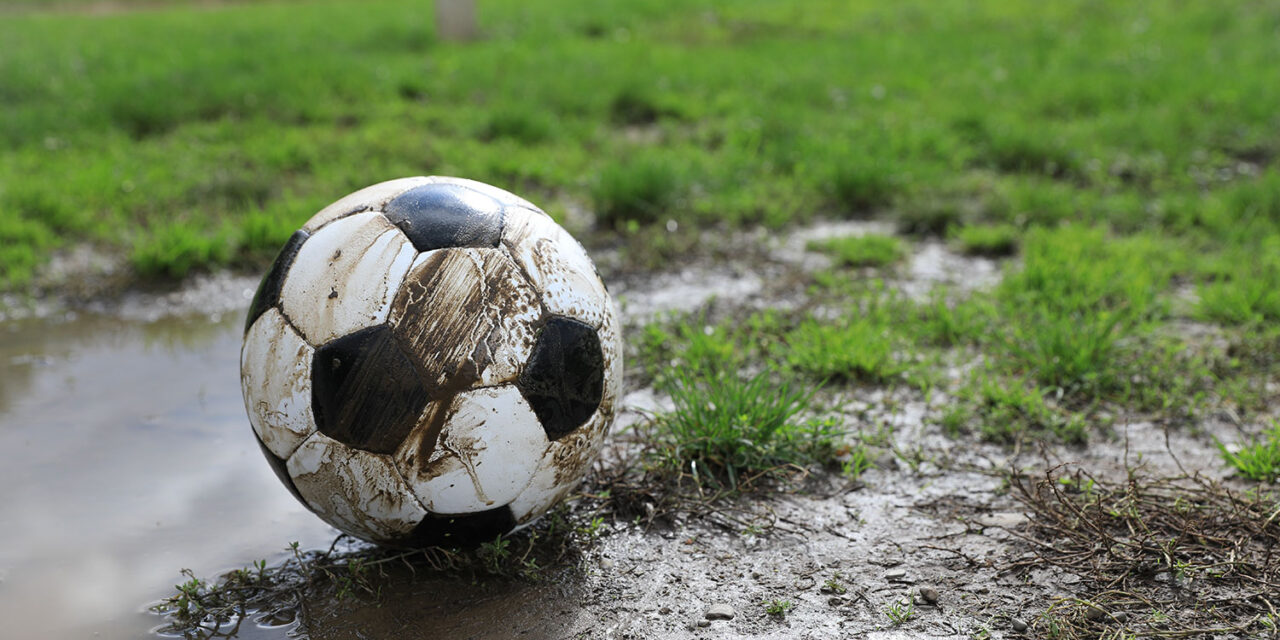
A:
(189, 135)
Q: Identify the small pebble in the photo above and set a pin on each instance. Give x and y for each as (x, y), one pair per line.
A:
(666, 611)
(893, 575)
(1094, 614)
(720, 611)
(704, 623)
(929, 594)
(835, 601)
(1018, 625)
(1121, 617)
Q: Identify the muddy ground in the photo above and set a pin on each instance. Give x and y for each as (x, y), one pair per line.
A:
(918, 546)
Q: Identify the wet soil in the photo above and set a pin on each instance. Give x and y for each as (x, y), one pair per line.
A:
(125, 455)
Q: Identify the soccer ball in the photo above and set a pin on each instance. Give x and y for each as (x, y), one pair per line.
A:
(431, 361)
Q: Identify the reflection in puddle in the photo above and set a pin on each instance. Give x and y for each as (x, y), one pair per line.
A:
(124, 457)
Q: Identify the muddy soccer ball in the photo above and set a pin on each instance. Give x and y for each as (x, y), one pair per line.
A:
(431, 361)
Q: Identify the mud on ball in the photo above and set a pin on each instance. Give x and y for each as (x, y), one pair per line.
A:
(431, 361)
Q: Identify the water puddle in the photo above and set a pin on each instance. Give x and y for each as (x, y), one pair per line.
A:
(123, 458)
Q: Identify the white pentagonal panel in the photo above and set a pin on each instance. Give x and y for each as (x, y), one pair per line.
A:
(345, 277)
(367, 199)
(507, 198)
(485, 454)
(556, 265)
(358, 492)
(562, 467)
(275, 376)
(545, 489)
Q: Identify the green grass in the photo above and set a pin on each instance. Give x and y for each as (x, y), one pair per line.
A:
(1008, 409)
(856, 348)
(638, 190)
(1076, 297)
(1258, 460)
(872, 250)
(862, 183)
(1247, 287)
(986, 240)
(1148, 117)
(174, 250)
(727, 430)
(687, 341)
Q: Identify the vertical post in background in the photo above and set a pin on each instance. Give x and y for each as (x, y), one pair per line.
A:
(456, 20)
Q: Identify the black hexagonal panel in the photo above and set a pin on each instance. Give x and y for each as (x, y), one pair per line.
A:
(269, 289)
(365, 392)
(461, 530)
(442, 216)
(282, 471)
(564, 378)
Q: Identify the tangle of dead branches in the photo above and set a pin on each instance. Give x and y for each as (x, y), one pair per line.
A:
(1168, 557)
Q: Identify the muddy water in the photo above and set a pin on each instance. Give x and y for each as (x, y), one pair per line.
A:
(125, 456)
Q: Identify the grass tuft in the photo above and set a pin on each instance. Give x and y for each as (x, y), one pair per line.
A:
(21, 243)
(986, 240)
(862, 184)
(872, 250)
(636, 106)
(524, 126)
(642, 190)
(856, 348)
(1248, 290)
(1259, 459)
(928, 216)
(1077, 295)
(1009, 409)
(726, 431)
(174, 250)
(265, 231)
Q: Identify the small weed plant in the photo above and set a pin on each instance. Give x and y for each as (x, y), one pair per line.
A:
(1258, 460)
(833, 585)
(901, 610)
(778, 608)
